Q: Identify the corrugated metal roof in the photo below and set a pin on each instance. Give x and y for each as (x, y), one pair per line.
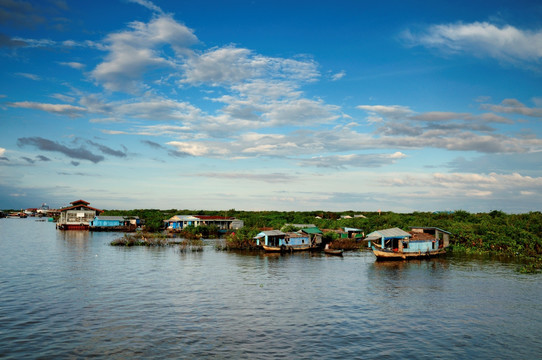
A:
(273, 232)
(110, 218)
(352, 229)
(388, 233)
(430, 228)
(312, 230)
(269, 233)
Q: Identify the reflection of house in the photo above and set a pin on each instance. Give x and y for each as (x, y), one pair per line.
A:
(179, 222)
(77, 217)
(114, 223)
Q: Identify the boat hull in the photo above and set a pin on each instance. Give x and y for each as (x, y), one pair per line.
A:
(333, 252)
(395, 255)
(285, 248)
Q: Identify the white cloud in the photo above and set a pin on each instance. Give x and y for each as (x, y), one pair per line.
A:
(63, 97)
(199, 148)
(389, 111)
(2, 151)
(36, 42)
(513, 106)
(338, 75)
(148, 4)
(506, 43)
(353, 160)
(135, 51)
(272, 178)
(231, 65)
(61, 109)
(29, 76)
(73, 65)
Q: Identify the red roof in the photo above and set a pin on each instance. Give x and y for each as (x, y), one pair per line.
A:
(80, 203)
(212, 217)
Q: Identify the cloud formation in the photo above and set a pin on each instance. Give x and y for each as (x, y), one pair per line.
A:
(505, 43)
(132, 52)
(48, 145)
(60, 109)
(353, 160)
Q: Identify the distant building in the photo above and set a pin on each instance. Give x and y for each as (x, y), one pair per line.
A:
(314, 233)
(77, 216)
(114, 223)
(179, 222)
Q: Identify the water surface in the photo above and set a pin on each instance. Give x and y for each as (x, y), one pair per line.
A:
(69, 294)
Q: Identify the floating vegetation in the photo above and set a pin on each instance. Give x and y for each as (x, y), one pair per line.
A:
(532, 268)
(141, 239)
(191, 245)
(235, 242)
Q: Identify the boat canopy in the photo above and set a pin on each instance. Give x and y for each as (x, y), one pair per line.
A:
(393, 233)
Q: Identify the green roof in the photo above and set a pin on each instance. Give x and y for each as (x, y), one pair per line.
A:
(312, 230)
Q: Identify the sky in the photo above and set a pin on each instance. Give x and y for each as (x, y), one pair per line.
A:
(272, 105)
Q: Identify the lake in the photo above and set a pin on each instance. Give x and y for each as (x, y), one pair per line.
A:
(69, 294)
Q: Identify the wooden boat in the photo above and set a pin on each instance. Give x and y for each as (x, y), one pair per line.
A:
(286, 248)
(20, 215)
(396, 244)
(386, 254)
(333, 252)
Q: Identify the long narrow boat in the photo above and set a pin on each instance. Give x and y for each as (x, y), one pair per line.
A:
(286, 248)
(333, 252)
(385, 254)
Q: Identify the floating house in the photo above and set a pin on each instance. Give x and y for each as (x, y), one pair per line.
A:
(314, 234)
(352, 233)
(179, 222)
(442, 236)
(278, 241)
(390, 244)
(77, 216)
(114, 223)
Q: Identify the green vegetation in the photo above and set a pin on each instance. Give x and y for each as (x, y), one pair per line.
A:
(141, 239)
(513, 235)
(157, 239)
(242, 239)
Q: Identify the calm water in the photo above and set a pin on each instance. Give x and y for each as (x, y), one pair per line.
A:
(71, 295)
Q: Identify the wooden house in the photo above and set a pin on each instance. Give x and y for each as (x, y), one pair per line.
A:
(314, 234)
(352, 233)
(179, 222)
(77, 216)
(278, 241)
(114, 223)
(442, 236)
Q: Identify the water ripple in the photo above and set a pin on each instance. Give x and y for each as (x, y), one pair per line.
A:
(71, 295)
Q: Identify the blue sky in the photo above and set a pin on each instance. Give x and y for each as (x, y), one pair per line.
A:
(272, 105)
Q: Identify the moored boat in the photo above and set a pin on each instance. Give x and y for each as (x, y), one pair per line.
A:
(386, 254)
(335, 252)
(277, 241)
(396, 244)
(286, 248)
(17, 215)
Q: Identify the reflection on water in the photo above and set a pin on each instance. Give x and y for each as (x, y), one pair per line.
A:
(69, 294)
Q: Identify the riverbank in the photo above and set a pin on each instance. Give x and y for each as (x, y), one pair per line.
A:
(516, 236)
